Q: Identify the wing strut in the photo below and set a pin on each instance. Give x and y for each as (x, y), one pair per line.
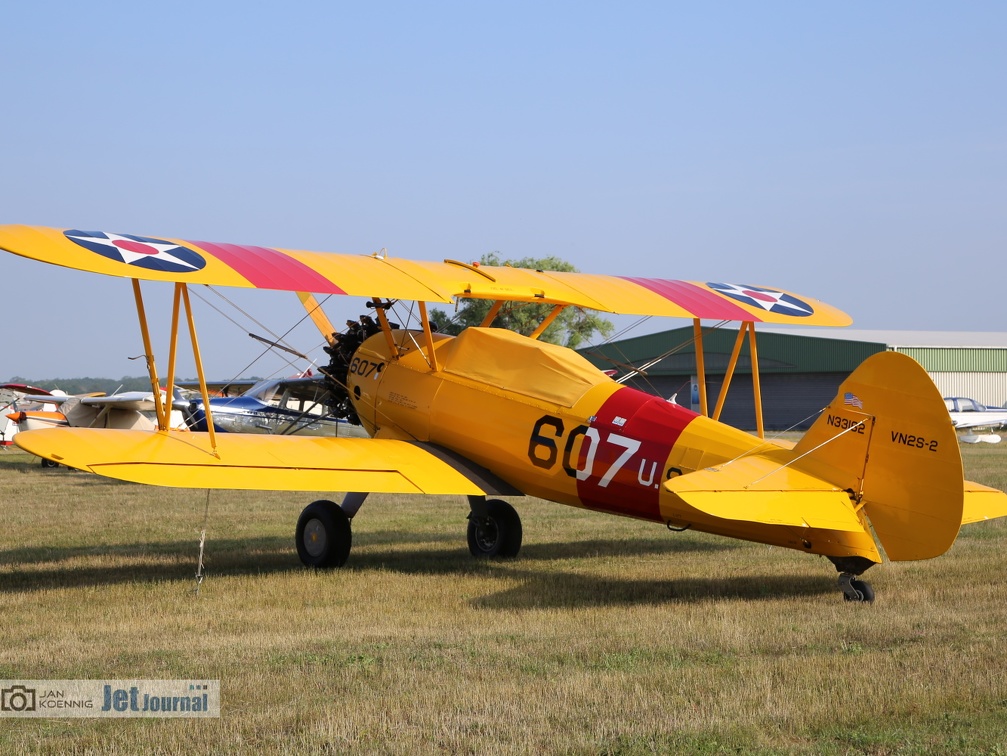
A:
(547, 321)
(199, 369)
(169, 388)
(317, 315)
(697, 332)
(428, 337)
(756, 381)
(491, 315)
(746, 326)
(722, 396)
(393, 348)
(163, 416)
(148, 352)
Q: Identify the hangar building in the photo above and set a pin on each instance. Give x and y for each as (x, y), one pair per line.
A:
(800, 370)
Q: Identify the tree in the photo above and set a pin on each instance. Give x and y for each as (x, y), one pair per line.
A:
(573, 327)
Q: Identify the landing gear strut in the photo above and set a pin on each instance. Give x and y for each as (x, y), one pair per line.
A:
(850, 569)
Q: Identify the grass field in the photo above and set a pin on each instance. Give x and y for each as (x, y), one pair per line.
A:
(605, 636)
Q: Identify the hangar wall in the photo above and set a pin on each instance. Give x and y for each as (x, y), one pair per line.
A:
(988, 388)
(979, 373)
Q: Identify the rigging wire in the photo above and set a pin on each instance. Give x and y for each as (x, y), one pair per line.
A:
(247, 315)
(268, 349)
(640, 371)
(202, 543)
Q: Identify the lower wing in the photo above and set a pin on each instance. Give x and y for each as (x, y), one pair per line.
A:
(269, 463)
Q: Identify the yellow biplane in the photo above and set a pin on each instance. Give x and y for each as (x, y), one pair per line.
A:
(491, 413)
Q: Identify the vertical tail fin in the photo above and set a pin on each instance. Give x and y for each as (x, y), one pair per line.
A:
(888, 438)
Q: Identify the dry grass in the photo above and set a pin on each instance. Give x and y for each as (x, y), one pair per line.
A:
(605, 636)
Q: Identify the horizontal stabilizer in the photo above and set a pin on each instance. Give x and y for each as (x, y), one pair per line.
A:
(982, 503)
(251, 462)
(760, 490)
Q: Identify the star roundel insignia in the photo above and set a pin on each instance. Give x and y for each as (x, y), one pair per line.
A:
(767, 299)
(141, 251)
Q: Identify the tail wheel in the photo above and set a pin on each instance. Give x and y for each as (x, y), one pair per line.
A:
(323, 535)
(856, 590)
(864, 589)
(495, 531)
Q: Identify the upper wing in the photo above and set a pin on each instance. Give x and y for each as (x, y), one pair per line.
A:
(254, 462)
(194, 262)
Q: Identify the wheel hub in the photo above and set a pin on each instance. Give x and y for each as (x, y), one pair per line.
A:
(315, 539)
(486, 533)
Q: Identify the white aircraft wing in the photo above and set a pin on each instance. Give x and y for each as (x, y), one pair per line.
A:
(140, 401)
(988, 419)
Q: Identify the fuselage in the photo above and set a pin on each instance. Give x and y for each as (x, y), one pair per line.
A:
(545, 420)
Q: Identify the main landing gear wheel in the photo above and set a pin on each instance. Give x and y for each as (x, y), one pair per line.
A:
(48, 463)
(855, 589)
(495, 530)
(323, 535)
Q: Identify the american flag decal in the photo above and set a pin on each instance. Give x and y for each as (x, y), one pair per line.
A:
(852, 400)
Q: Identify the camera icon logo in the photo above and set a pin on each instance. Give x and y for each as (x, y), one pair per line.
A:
(17, 698)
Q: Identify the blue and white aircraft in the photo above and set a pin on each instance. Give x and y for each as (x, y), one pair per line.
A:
(277, 406)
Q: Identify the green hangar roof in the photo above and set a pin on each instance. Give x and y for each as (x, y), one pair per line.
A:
(778, 352)
(804, 350)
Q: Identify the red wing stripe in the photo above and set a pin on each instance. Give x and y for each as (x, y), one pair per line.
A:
(702, 303)
(270, 269)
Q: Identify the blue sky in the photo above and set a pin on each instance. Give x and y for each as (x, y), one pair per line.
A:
(855, 152)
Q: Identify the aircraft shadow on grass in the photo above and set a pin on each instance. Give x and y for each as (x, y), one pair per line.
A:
(269, 555)
(564, 590)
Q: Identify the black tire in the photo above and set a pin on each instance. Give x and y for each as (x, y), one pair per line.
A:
(864, 590)
(323, 535)
(49, 464)
(496, 533)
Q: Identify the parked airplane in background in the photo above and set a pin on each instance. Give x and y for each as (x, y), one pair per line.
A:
(491, 412)
(973, 417)
(279, 406)
(12, 397)
(130, 410)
